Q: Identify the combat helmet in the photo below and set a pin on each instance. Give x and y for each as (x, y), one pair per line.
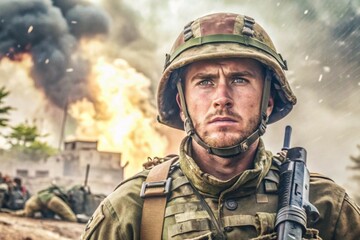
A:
(216, 36)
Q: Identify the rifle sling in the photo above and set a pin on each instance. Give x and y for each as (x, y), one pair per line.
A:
(154, 191)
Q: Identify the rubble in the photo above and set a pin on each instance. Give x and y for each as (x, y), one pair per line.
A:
(17, 228)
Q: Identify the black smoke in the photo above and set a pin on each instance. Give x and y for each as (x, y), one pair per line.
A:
(49, 31)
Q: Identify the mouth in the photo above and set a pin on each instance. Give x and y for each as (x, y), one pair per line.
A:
(223, 120)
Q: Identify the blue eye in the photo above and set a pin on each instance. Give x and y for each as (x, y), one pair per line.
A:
(205, 82)
(239, 80)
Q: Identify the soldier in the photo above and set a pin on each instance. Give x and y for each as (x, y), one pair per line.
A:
(223, 82)
(17, 194)
(49, 202)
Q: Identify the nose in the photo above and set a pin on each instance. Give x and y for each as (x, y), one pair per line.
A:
(222, 97)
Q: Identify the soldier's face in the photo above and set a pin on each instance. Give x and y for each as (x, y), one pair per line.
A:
(223, 99)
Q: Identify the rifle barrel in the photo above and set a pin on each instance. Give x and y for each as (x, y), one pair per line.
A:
(87, 174)
(287, 138)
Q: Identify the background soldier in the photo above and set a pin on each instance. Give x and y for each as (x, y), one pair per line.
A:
(49, 202)
(223, 83)
(17, 195)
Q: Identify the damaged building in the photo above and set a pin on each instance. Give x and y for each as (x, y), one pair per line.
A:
(69, 168)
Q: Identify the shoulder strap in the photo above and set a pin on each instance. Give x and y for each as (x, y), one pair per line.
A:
(154, 192)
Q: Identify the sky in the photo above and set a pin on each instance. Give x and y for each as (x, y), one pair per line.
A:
(319, 40)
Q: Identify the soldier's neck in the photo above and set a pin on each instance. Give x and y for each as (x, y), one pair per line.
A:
(223, 168)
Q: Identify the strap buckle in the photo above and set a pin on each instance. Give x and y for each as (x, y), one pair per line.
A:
(160, 188)
(248, 28)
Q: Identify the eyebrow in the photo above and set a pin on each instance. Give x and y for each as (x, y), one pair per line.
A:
(204, 75)
(243, 73)
(231, 74)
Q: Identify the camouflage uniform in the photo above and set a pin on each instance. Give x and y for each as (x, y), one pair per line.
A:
(47, 200)
(243, 206)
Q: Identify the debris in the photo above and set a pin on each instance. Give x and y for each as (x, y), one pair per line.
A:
(15, 228)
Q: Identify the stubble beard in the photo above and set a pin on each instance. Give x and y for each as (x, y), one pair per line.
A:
(226, 138)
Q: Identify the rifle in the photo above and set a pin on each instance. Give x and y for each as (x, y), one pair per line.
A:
(85, 186)
(294, 208)
(86, 176)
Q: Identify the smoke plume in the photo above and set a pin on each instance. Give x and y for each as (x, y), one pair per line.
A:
(49, 31)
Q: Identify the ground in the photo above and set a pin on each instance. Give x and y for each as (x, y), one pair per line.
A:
(16, 228)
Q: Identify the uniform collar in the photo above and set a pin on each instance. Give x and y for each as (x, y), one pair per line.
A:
(210, 185)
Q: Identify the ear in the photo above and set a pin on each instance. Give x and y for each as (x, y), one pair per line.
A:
(181, 110)
(270, 106)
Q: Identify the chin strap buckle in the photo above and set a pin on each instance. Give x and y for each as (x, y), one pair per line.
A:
(244, 146)
(262, 127)
(188, 127)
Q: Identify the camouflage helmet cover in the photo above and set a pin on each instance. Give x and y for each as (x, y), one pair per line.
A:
(216, 36)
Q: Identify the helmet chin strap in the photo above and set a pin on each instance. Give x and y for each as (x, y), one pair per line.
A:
(241, 147)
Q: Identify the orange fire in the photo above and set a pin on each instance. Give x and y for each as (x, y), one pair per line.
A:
(126, 121)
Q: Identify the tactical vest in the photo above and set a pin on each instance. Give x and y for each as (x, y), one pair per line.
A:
(188, 214)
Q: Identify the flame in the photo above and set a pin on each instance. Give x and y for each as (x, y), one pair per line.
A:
(125, 121)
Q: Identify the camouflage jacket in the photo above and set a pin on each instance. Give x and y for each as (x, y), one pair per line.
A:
(243, 205)
(45, 195)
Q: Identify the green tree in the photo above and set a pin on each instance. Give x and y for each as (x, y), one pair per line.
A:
(356, 167)
(25, 142)
(4, 110)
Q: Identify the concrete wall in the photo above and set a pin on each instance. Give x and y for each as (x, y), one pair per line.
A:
(69, 168)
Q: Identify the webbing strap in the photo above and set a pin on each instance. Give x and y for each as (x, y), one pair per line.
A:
(155, 201)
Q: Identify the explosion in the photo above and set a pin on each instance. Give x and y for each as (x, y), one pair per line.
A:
(125, 119)
(109, 99)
